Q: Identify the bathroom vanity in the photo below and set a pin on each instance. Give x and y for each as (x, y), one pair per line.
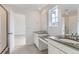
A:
(55, 44)
(66, 25)
(60, 45)
(59, 23)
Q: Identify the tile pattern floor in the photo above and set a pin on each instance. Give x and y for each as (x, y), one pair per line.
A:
(21, 48)
(29, 49)
(19, 40)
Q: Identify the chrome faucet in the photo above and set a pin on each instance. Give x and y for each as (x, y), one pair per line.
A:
(72, 36)
(76, 35)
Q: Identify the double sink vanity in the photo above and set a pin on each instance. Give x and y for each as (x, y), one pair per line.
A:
(63, 30)
(55, 44)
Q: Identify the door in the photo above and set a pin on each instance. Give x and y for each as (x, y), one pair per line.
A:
(11, 32)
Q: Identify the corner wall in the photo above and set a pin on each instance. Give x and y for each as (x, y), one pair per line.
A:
(32, 24)
(44, 19)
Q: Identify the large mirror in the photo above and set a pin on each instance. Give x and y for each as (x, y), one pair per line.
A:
(55, 23)
(53, 17)
(63, 20)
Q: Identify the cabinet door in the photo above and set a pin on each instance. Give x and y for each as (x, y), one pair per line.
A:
(42, 44)
(36, 41)
(53, 50)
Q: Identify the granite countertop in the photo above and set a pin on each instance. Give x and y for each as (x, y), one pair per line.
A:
(68, 42)
(58, 39)
(46, 36)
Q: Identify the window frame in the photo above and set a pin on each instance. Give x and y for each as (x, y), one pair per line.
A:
(56, 23)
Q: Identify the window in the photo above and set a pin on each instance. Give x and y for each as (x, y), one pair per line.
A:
(53, 17)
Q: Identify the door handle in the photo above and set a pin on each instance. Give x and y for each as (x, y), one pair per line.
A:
(10, 33)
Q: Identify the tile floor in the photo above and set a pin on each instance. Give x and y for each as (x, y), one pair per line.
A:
(21, 48)
(29, 49)
(19, 40)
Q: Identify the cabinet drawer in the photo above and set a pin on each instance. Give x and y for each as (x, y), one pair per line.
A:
(66, 49)
(53, 50)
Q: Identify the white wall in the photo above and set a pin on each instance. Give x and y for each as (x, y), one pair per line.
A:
(32, 24)
(73, 24)
(44, 19)
(78, 26)
(78, 22)
(66, 24)
(19, 24)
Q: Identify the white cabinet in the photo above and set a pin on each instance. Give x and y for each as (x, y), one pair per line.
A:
(39, 44)
(43, 44)
(55, 47)
(36, 39)
(53, 50)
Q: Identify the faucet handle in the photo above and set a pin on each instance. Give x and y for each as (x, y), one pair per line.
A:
(72, 33)
(72, 36)
(75, 34)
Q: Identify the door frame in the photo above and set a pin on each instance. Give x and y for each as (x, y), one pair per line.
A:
(6, 29)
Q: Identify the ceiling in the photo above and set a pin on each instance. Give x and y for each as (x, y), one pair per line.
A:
(23, 8)
(70, 9)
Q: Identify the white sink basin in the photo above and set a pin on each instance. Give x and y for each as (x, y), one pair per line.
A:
(53, 37)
